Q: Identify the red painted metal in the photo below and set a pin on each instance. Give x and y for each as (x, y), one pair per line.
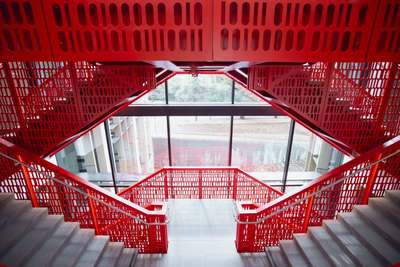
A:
(292, 31)
(56, 101)
(385, 40)
(56, 189)
(199, 183)
(302, 212)
(218, 30)
(343, 99)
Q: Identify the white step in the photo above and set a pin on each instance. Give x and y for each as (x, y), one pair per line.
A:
(329, 247)
(128, 257)
(34, 238)
(380, 223)
(311, 252)
(393, 196)
(359, 254)
(370, 239)
(72, 251)
(91, 256)
(31, 237)
(293, 254)
(387, 207)
(53, 245)
(275, 257)
(111, 255)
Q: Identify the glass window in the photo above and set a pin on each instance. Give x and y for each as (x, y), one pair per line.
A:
(88, 157)
(201, 89)
(200, 141)
(259, 143)
(156, 96)
(311, 154)
(140, 146)
(244, 96)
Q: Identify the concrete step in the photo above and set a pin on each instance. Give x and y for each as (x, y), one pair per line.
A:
(336, 255)
(127, 258)
(393, 196)
(53, 245)
(310, 251)
(293, 254)
(9, 212)
(74, 248)
(387, 207)
(380, 223)
(94, 251)
(33, 239)
(111, 254)
(14, 231)
(376, 244)
(5, 198)
(359, 254)
(275, 257)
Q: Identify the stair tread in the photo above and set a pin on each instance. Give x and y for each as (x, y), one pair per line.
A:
(13, 209)
(71, 252)
(11, 232)
(359, 253)
(380, 223)
(111, 254)
(127, 258)
(47, 252)
(309, 249)
(371, 239)
(275, 257)
(292, 253)
(393, 196)
(31, 240)
(93, 252)
(385, 206)
(5, 198)
(337, 255)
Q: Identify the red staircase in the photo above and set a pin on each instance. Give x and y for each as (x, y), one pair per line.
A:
(45, 104)
(64, 193)
(339, 190)
(353, 105)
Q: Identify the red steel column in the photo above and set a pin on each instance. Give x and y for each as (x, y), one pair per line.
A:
(28, 181)
(386, 94)
(371, 180)
(306, 222)
(92, 210)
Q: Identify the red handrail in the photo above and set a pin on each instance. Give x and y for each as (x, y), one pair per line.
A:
(79, 200)
(352, 183)
(200, 183)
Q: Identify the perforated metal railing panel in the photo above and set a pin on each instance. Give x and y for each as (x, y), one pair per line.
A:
(354, 102)
(43, 103)
(219, 30)
(80, 201)
(200, 183)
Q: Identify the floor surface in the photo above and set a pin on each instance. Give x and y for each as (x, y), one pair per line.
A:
(201, 233)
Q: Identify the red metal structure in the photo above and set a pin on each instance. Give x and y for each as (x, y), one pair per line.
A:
(49, 186)
(200, 183)
(67, 66)
(368, 175)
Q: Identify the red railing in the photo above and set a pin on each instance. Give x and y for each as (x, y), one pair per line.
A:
(49, 186)
(368, 175)
(45, 103)
(200, 183)
(354, 103)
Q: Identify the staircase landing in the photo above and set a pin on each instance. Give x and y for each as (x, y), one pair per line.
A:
(201, 233)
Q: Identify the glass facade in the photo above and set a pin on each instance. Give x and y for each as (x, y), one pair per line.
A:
(129, 148)
(260, 143)
(200, 141)
(200, 89)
